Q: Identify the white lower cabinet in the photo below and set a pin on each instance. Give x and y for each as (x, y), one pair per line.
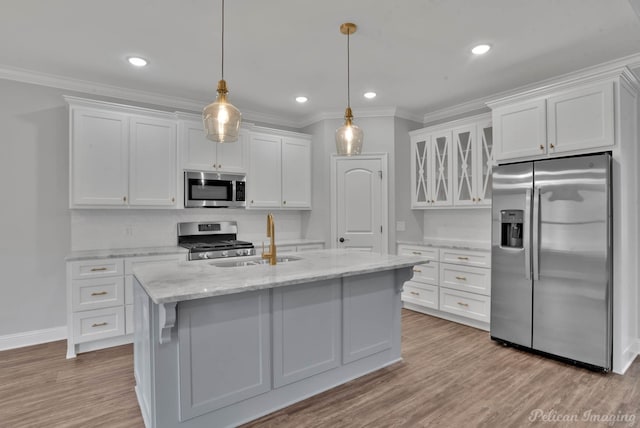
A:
(454, 284)
(100, 301)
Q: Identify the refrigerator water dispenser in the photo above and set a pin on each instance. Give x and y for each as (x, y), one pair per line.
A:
(511, 228)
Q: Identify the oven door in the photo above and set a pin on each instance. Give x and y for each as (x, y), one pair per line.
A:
(213, 190)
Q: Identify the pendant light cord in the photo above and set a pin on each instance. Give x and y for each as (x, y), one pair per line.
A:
(222, 41)
(348, 72)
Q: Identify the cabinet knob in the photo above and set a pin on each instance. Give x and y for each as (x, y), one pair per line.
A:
(541, 147)
(251, 200)
(219, 166)
(284, 202)
(124, 198)
(552, 146)
(173, 199)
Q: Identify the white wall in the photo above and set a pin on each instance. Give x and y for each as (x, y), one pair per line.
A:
(413, 219)
(35, 220)
(471, 225)
(104, 229)
(379, 137)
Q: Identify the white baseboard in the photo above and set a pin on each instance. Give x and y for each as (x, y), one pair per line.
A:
(34, 337)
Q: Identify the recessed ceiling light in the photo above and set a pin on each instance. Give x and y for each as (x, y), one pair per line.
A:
(480, 49)
(302, 99)
(370, 95)
(137, 61)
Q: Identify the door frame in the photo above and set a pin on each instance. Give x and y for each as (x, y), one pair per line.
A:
(384, 197)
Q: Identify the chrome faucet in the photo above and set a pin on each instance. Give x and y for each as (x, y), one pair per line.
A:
(271, 233)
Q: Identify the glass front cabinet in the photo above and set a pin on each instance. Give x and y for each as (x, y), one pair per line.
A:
(451, 164)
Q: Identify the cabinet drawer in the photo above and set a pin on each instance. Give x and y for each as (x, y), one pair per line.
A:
(426, 273)
(466, 278)
(97, 293)
(131, 262)
(96, 268)
(466, 257)
(415, 250)
(128, 319)
(420, 294)
(465, 304)
(98, 324)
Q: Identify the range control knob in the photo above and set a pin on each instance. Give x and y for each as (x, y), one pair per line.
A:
(204, 255)
(224, 254)
(240, 253)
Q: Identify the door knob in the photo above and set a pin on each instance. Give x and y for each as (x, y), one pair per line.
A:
(341, 239)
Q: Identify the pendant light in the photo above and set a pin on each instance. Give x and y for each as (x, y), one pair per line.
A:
(348, 136)
(221, 119)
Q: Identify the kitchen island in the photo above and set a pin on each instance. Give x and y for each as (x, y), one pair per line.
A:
(219, 343)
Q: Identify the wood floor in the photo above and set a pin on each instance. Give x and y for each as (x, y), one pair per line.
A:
(451, 376)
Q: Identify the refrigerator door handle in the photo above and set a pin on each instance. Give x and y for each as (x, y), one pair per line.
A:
(536, 234)
(526, 235)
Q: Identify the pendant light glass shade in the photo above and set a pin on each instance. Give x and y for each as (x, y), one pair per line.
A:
(221, 120)
(349, 137)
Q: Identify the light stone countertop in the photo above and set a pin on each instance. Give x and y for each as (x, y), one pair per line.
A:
(125, 252)
(450, 243)
(174, 282)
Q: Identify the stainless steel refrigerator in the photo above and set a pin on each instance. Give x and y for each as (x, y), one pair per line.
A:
(551, 262)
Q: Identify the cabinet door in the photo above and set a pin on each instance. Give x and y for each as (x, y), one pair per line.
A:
(581, 118)
(296, 173)
(520, 130)
(152, 168)
(420, 181)
(484, 158)
(198, 153)
(464, 165)
(98, 158)
(264, 175)
(441, 165)
(231, 155)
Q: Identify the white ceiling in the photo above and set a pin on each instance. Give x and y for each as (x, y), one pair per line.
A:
(413, 53)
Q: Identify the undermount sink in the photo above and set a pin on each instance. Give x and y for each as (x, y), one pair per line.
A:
(252, 261)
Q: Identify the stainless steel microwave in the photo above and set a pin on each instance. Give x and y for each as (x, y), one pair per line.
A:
(214, 190)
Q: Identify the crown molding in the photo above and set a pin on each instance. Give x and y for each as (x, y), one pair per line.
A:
(361, 113)
(624, 65)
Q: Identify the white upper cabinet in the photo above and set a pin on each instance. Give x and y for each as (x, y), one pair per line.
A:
(431, 169)
(296, 173)
(279, 173)
(99, 158)
(520, 130)
(451, 164)
(572, 120)
(264, 179)
(201, 154)
(120, 156)
(581, 118)
(152, 162)
(472, 164)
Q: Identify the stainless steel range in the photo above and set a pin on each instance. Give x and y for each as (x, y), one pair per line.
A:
(212, 240)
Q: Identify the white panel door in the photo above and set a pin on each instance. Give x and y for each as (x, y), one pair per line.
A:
(99, 150)
(152, 167)
(264, 176)
(296, 173)
(359, 204)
